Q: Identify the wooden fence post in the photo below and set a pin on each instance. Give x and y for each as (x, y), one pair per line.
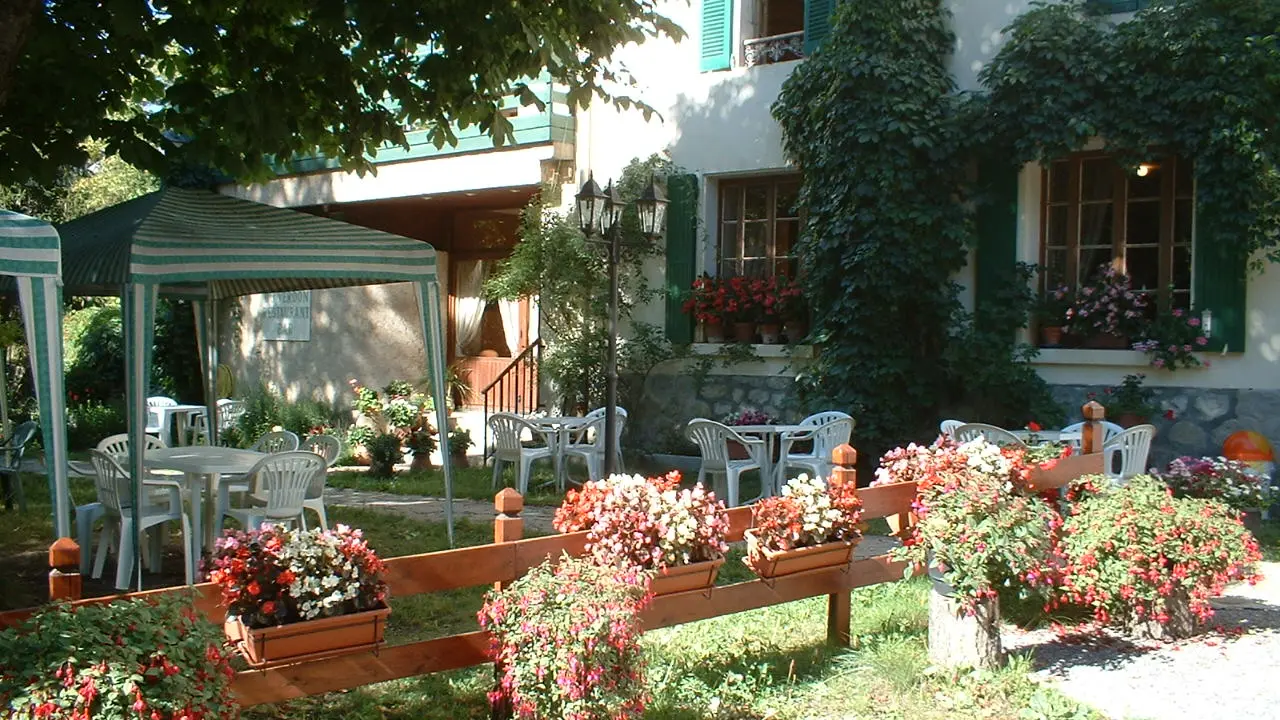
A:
(1091, 435)
(844, 460)
(508, 526)
(64, 570)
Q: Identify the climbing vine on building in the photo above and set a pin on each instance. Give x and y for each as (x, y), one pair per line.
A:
(874, 122)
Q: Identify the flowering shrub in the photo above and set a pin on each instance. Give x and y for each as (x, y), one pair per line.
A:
(1171, 340)
(1230, 481)
(649, 523)
(1129, 550)
(566, 637)
(750, 417)
(155, 660)
(808, 512)
(791, 299)
(579, 509)
(979, 524)
(1108, 305)
(276, 576)
(397, 408)
(705, 302)
(917, 463)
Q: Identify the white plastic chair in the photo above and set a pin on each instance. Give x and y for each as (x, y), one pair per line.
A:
(282, 480)
(712, 439)
(830, 430)
(991, 433)
(326, 446)
(229, 413)
(1133, 446)
(274, 442)
(590, 443)
(115, 492)
(196, 430)
(329, 448)
(508, 432)
(155, 419)
(948, 428)
(1109, 431)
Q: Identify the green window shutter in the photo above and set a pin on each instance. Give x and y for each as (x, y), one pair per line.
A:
(717, 34)
(817, 22)
(996, 222)
(1220, 278)
(682, 251)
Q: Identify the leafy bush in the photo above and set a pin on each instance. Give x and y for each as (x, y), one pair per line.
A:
(262, 412)
(1129, 550)
(306, 416)
(89, 421)
(567, 637)
(384, 453)
(460, 440)
(126, 659)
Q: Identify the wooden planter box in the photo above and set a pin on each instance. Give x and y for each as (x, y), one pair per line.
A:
(308, 639)
(1063, 471)
(683, 578)
(776, 563)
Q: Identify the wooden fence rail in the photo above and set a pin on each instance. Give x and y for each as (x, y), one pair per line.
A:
(510, 556)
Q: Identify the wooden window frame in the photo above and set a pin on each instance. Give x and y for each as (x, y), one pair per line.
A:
(735, 191)
(1120, 202)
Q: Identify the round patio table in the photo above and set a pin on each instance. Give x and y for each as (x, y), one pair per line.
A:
(557, 429)
(770, 471)
(202, 467)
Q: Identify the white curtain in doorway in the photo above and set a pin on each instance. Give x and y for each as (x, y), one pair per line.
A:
(469, 308)
(510, 311)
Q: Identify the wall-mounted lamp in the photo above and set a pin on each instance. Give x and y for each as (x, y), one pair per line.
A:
(1206, 323)
(1145, 169)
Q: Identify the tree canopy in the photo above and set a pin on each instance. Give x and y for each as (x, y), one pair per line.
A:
(239, 81)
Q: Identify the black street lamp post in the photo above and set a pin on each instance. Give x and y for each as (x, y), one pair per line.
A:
(600, 217)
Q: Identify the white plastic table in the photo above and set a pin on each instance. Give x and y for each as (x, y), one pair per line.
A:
(771, 472)
(1074, 437)
(557, 429)
(202, 467)
(167, 414)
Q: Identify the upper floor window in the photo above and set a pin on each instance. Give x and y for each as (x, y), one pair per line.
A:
(1097, 212)
(759, 226)
(779, 33)
(767, 31)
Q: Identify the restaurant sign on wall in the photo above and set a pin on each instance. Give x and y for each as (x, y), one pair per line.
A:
(285, 316)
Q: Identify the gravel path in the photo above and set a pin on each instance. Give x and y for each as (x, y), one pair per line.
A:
(1231, 672)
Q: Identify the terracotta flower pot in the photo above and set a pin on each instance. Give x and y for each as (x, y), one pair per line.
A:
(737, 451)
(1128, 420)
(1050, 336)
(1107, 341)
(770, 333)
(421, 462)
(459, 459)
(684, 578)
(795, 330)
(361, 455)
(713, 331)
(744, 332)
(308, 639)
(776, 563)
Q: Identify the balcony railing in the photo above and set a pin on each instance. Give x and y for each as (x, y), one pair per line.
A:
(553, 124)
(774, 48)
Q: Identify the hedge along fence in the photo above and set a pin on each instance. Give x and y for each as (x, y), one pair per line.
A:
(510, 556)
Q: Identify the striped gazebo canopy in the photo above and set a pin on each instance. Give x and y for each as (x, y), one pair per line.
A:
(206, 246)
(30, 254)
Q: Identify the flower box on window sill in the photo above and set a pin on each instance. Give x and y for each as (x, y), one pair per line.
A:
(762, 351)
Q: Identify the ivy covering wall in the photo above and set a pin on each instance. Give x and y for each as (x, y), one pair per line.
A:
(903, 176)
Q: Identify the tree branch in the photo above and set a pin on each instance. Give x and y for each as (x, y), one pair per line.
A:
(15, 21)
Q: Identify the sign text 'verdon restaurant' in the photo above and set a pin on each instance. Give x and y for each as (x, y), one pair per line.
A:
(286, 316)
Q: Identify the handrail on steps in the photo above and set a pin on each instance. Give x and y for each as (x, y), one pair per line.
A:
(523, 371)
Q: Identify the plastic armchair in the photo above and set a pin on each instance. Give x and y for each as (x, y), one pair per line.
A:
(830, 430)
(228, 414)
(947, 428)
(508, 432)
(1109, 431)
(328, 448)
(990, 433)
(115, 492)
(283, 480)
(11, 451)
(1133, 446)
(712, 439)
(276, 441)
(590, 442)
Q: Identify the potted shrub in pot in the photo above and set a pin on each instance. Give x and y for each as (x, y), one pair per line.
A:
(740, 308)
(980, 528)
(812, 524)
(384, 454)
(706, 303)
(1106, 312)
(764, 298)
(651, 524)
(1131, 403)
(154, 658)
(1139, 558)
(358, 437)
(1231, 482)
(1051, 315)
(1173, 339)
(421, 443)
(750, 416)
(459, 442)
(292, 594)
